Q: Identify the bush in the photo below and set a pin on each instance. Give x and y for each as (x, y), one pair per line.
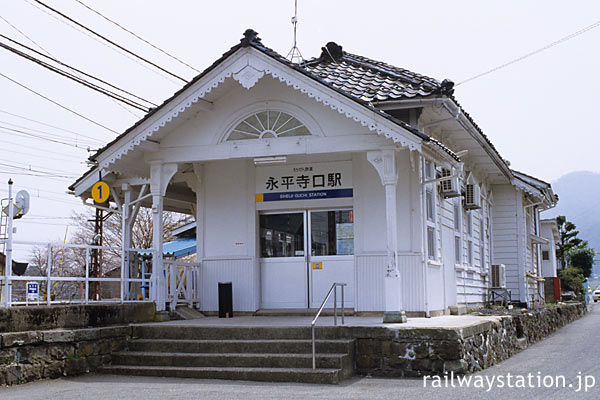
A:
(572, 279)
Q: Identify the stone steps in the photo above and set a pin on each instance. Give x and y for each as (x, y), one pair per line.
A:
(265, 360)
(276, 354)
(304, 375)
(241, 346)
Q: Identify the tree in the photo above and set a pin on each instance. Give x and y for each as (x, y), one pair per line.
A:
(571, 279)
(582, 259)
(568, 240)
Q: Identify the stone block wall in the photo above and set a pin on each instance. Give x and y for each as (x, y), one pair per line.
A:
(435, 351)
(17, 319)
(31, 355)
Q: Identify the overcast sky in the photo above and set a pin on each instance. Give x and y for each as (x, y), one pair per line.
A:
(539, 113)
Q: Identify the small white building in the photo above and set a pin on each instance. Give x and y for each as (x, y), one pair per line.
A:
(549, 231)
(341, 169)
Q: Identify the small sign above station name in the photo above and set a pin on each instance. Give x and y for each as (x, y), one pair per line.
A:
(309, 181)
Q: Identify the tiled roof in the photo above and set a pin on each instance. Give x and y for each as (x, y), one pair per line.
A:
(371, 80)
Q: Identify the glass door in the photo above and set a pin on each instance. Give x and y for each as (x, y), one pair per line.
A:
(331, 238)
(302, 253)
(283, 259)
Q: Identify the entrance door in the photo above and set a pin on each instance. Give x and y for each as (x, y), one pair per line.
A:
(283, 260)
(302, 254)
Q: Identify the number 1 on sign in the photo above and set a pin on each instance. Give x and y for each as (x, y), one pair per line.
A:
(100, 192)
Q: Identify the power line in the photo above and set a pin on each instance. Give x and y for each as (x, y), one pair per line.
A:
(29, 165)
(21, 145)
(37, 175)
(27, 37)
(143, 65)
(58, 104)
(39, 137)
(77, 70)
(89, 138)
(11, 151)
(548, 46)
(138, 37)
(75, 78)
(108, 40)
(45, 124)
(38, 171)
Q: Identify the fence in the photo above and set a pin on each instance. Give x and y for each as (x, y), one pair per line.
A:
(183, 283)
(64, 273)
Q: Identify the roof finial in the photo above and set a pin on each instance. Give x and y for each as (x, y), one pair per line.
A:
(294, 53)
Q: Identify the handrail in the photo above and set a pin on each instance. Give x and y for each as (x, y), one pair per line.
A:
(314, 321)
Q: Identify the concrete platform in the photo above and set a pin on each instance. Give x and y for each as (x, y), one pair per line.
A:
(446, 321)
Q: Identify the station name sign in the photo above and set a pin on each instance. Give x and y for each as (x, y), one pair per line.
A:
(310, 181)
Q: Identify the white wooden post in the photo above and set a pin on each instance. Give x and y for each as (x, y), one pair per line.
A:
(384, 162)
(125, 241)
(160, 175)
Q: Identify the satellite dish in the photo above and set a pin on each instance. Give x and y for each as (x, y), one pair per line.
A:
(22, 202)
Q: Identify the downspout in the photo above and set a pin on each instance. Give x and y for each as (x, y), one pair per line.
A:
(424, 235)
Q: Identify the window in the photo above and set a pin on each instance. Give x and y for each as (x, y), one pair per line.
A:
(457, 250)
(469, 224)
(470, 252)
(332, 233)
(545, 255)
(457, 216)
(429, 204)
(268, 124)
(282, 235)
(428, 169)
(481, 243)
(431, 243)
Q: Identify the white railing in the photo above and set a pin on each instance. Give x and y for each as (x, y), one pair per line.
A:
(333, 290)
(183, 283)
(130, 289)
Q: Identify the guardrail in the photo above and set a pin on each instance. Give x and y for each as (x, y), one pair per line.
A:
(130, 289)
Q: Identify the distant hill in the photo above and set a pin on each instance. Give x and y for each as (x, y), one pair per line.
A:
(579, 201)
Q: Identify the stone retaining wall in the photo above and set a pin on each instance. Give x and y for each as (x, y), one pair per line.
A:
(431, 351)
(32, 355)
(18, 319)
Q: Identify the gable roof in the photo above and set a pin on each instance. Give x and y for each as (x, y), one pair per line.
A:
(544, 188)
(251, 39)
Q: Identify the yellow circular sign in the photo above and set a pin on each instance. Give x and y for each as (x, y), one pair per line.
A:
(100, 192)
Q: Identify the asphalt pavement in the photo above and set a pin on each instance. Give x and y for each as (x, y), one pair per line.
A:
(565, 365)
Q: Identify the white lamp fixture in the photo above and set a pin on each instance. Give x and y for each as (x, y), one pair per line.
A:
(270, 160)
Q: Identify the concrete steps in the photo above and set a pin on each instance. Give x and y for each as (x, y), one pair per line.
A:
(275, 354)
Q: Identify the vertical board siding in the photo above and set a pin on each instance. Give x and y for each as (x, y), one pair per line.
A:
(240, 272)
(504, 233)
(370, 272)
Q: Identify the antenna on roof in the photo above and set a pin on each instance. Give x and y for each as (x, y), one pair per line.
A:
(294, 53)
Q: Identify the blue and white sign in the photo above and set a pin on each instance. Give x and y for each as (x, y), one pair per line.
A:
(310, 181)
(33, 291)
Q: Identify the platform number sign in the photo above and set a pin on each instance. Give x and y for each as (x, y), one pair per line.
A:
(100, 192)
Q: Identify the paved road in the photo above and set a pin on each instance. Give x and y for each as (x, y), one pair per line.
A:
(572, 352)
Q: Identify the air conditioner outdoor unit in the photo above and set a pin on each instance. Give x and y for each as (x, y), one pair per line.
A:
(498, 273)
(449, 187)
(472, 197)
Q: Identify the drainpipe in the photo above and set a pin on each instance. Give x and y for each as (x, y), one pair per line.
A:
(424, 235)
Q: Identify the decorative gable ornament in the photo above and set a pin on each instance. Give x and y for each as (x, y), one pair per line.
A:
(248, 76)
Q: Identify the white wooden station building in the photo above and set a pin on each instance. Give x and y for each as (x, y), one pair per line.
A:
(338, 169)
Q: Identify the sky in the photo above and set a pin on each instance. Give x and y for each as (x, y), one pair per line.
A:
(540, 113)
